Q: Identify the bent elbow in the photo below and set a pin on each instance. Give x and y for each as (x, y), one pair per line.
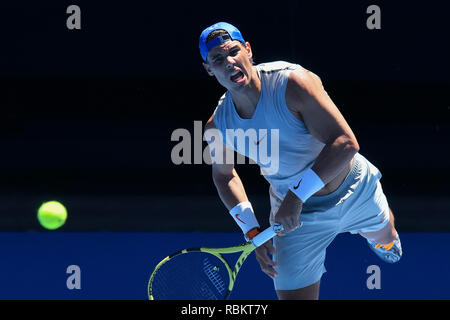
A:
(355, 145)
(352, 146)
(349, 144)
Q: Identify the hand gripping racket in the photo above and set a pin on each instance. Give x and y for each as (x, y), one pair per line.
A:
(202, 273)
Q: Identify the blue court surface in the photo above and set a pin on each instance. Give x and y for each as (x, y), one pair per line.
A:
(116, 265)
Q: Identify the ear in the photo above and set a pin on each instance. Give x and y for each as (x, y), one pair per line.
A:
(208, 69)
(249, 50)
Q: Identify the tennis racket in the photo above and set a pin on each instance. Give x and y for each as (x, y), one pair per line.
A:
(202, 273)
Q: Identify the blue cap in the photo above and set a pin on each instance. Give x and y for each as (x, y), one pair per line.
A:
(233, 34)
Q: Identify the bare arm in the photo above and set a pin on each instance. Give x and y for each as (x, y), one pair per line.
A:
(307, 99)
(232, 192)
(305, 95)
(229, 185)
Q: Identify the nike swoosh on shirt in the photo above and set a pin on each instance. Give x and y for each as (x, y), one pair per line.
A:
(257, 142)
(298, 185)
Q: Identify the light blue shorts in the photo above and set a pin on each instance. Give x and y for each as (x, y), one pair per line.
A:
(357, 205)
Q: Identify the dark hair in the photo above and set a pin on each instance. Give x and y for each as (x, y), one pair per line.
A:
(220, 32)
(215, 34)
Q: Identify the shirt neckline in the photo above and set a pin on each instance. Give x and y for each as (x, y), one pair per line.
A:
(257, 105)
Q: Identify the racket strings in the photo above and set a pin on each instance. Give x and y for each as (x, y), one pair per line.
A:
(191, 276)
(213, 275)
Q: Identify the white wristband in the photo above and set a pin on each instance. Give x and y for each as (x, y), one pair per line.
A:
(306, 185)
(244, 216)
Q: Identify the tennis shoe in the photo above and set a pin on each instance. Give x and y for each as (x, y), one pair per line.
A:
(390, 253)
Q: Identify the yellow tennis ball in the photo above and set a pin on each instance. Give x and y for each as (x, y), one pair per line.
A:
(52, 215)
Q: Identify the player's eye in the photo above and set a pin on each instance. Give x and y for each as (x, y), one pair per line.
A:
(234, 52)
(218, 59)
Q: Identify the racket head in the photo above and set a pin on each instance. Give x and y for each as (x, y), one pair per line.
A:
(191, 274)
(204, 276)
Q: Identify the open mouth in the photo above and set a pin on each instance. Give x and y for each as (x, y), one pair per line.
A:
(237, 77)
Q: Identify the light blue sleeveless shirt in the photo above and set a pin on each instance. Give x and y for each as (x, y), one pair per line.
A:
(274, 138)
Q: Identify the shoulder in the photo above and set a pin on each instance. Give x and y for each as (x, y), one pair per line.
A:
(219, 108)
(210, 123)
(275, 66)
(302, 79)
(303, 85)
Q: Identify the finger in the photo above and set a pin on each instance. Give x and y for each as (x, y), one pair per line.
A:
(270, 248)
(289, 224)
(294, 222)
(264, 259)
(266, 262)
(271, 272)
(297, 221)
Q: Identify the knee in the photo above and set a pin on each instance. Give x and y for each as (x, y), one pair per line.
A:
(385, 235)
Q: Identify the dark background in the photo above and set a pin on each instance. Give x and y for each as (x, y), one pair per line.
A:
(87, 115)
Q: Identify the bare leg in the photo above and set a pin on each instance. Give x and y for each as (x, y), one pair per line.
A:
(308, 293)
(384, 236)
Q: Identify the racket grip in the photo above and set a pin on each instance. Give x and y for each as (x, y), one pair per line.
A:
(267, 234)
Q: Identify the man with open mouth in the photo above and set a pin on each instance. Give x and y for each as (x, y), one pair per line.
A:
(323, 185)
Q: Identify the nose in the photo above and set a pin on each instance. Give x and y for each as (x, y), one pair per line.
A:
(230, 63)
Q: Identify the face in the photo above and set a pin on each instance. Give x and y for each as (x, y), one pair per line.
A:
(230, 62)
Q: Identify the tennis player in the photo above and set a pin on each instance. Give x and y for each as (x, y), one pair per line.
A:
(322, 186)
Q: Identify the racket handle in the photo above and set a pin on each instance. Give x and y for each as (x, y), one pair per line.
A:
(267, 234)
